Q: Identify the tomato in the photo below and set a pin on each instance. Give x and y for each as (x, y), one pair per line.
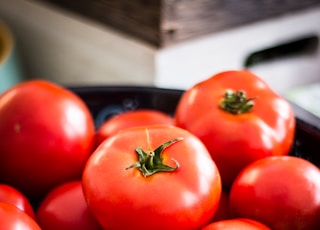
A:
(153, 177)
(140, 117)
(239, 118)
(65, 208)
(11, 195)
(47, 133)
(12, 218)
(236, 224)
(282, 192)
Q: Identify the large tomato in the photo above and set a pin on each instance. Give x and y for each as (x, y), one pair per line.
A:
(11, 195)
(239, 118)
(65, 208)
(236, 224)
(153, 177)
(132, 118)
(12, 218)
(46, 134)
(282, 192)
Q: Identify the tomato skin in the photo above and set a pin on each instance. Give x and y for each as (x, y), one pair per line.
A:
(11, 195)
(65, 208)
(236, 224)
(280, 191)
(12, 218)
(128, 119)
(47, 134)
(235, 140)
(184, 199)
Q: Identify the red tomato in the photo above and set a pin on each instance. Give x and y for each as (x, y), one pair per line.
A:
(65, 208)
(128, 119)
(154, 177)
(239, 118)
(47, 134)
(236, 224)
(12, 218)
(11, 195)
(282, 192)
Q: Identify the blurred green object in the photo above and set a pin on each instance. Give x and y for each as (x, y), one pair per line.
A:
(10, 67)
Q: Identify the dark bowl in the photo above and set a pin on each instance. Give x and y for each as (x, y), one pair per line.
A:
(106, 101)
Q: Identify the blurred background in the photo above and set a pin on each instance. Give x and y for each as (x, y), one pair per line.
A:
(171, 44)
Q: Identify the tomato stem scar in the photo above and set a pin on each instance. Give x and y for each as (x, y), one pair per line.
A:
(236, 102)
(151, 162)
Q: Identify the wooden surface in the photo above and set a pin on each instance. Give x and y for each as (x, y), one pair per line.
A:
(188, 19)
(166, 22)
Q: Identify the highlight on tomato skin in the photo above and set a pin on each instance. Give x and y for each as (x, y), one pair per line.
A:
(12, 218)
(236, 224)
(158, 177)
(239, 118)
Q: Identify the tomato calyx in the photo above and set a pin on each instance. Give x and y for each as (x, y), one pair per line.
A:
(151, 162)
(236, 102)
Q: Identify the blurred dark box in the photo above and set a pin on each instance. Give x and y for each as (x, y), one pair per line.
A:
(166, 22)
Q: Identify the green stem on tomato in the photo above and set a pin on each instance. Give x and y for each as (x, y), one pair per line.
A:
(151, 162)
(236, 102)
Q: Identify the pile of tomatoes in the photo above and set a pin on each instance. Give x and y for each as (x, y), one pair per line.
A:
(220, 162)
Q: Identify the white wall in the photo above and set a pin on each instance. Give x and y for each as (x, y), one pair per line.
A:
(71, 50)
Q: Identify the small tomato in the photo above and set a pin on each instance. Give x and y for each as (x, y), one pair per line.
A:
(65, 208)
(128, 119)
(282, 192)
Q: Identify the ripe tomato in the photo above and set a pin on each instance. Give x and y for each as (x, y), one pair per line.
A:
(12, 218)
(11, 195)
(239, 118)
(65, 208)
(140, 117)
(47, 134)
(282, 192)
(153, 177)
(236, 224)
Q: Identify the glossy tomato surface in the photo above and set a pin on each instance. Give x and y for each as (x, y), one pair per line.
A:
(282, 192)
(64, 208)
(236, 224)
(11, 195)
(46, 134)
(12, 218)
(133, 118)
(121, 197)
(239, 118)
